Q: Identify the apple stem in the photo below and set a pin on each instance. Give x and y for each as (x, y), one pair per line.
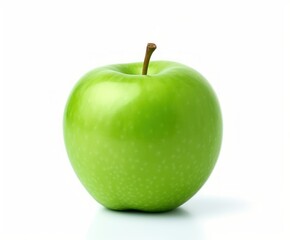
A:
(149, 50)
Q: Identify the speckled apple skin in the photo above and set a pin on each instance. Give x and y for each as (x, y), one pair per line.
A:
(141, 142)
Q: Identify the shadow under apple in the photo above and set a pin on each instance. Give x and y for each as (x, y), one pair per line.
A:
(185, 222)
(109, 224)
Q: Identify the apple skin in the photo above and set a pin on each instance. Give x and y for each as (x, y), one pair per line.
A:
(143, 142)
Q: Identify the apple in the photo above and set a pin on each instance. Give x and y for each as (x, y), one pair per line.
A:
(144, 142)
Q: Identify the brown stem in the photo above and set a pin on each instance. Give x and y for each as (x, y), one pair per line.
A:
(149, 50)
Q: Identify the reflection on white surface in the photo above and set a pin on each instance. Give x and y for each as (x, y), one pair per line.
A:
(186, 222)
(136, 225)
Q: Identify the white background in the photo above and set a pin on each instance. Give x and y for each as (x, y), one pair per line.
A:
(239, 46)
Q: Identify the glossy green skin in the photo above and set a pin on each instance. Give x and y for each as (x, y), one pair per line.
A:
(143, 142)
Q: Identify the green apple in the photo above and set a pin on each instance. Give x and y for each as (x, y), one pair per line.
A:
(146, 142)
